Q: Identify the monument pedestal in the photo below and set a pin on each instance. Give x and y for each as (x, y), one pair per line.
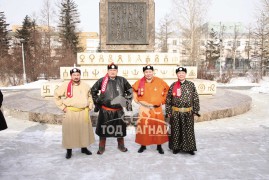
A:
(93, 66)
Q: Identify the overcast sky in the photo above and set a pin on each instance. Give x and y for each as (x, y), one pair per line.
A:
(220, 10)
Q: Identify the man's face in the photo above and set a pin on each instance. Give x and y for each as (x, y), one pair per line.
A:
(181, 75)
(75, 77)
(112, 73)
(148, 74)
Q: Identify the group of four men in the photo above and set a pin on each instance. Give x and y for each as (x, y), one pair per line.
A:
(110, 94)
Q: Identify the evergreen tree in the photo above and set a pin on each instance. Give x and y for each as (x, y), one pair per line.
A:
(4, 38)
(212, 49)
(4, 45)
(31, 39)
(68, 32)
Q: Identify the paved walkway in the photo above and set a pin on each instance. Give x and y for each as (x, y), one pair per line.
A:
(229, 148)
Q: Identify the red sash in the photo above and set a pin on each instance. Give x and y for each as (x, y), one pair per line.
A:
(70, 89)
(141, 87)
(177, 89)
(104, 84)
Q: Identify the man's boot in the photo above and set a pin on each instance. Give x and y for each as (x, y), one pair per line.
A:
(141, 149)
(86, 151)
(68, 154)
(160, 149)
(121, 146)
(102, 145)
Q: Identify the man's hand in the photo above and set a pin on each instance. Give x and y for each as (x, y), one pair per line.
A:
(196, 113)
(65, 109)
(96, 108)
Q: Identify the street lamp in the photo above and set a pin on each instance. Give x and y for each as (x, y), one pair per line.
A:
(23, 62)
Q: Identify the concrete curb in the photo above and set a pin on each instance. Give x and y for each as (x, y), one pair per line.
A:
(29, 105)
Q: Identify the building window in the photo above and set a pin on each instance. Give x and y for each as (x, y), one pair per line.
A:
(247, 43)
(238, 43)
(229, 43)
(174, 42)
(237, 53)
(183, 52)
(174, 51)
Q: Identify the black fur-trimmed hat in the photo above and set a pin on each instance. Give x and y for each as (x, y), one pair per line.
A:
(74, 70)
(148, 67)
(181, 69)
(112, 66)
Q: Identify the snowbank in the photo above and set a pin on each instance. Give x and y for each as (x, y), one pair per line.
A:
(33, 85)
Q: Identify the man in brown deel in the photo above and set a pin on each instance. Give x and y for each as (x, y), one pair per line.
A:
(77, 126)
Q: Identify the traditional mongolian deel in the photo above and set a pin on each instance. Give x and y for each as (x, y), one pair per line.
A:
(111, 115)
(181, 109)
(3, 124)
(77, 125)
(151, 127)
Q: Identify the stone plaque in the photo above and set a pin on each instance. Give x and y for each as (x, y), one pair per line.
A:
(127, 23)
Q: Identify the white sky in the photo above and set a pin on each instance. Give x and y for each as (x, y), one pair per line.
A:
(219, 10)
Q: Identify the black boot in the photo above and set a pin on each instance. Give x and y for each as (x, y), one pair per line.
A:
(68, 154)
(160, 149)
(86, 151)
(141, 149)
(191, 152)
(175, 151)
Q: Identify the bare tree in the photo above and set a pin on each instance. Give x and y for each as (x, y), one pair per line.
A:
(265, 5)
(49, 65)
(190, 16)
(261, 33)
(248, 47)
(14, 67)
(235, 44)
(164, 32)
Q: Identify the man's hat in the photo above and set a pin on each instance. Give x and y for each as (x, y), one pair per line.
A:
(112, 66)
(75, 70)
(181, 69)
(148, 67)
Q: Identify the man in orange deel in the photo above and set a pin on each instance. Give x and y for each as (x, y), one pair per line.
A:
(150, 93)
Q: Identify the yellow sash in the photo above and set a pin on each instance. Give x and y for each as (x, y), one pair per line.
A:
(181, 109)
(74, 109)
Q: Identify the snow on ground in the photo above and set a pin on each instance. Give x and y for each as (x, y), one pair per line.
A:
(229, 148)
(264, 86)
(33, 85)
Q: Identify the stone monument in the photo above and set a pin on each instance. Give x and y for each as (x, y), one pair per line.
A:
(127, 29)
(127, 39)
